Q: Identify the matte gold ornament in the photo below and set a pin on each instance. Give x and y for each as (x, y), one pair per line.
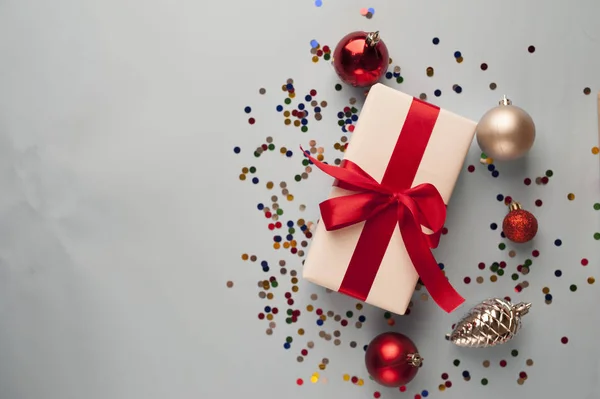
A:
(505, 132)
(492, 322)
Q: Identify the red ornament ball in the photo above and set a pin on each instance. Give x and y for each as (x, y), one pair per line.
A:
(392, 359)
(361, 59)
(519, 225)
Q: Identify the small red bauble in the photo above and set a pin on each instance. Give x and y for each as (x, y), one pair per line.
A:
(361, 59)
(519, 225)
(392, 359)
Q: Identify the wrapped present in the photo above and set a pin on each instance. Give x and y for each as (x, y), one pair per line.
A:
(388, 203)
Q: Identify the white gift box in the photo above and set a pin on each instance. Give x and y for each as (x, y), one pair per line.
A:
(371, 146)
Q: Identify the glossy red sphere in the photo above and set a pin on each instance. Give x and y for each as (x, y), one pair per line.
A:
(359, 62)
(388, 359)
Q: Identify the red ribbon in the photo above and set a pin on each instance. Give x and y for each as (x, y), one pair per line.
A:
(392, 202)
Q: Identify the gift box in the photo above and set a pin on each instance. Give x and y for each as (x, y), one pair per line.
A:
(387, 206)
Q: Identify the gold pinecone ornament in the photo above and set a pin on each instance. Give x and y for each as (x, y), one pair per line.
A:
(492, 322)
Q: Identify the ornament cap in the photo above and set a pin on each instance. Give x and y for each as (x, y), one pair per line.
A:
(414, 359)
(505, 101)
(522, 308)
(372, 39)
(514, 206)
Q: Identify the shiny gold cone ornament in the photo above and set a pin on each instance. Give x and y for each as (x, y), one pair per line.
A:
(492, 322)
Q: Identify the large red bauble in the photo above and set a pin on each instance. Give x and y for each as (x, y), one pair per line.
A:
(519, 225)
(361, 59)
(392, 359)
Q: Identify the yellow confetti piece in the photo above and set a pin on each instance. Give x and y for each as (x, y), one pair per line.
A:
(346, 377)
(595, 150)
(314, 379)
(360, 382)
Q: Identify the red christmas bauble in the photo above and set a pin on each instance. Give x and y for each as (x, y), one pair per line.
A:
(392, 359)
(361, 59)
(519, 225)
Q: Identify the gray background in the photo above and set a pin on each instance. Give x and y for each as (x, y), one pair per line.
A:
(122, 216)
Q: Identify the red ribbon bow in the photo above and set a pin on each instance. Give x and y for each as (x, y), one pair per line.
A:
(410, 209)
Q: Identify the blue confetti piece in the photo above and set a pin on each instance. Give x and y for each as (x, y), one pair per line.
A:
(318, 3)
(314, 43)
(371, 10)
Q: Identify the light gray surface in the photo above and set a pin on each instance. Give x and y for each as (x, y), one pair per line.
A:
(122, 218)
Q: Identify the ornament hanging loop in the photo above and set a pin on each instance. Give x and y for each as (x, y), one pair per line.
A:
(505, 101)
(414, 359)
(372, 39)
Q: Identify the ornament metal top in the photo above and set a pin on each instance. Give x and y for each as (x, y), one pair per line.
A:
(492, 322)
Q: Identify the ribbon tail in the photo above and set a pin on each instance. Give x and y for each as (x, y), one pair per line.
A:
(440, 289)
(352, 177)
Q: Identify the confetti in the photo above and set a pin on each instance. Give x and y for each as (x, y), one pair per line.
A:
(284, 303)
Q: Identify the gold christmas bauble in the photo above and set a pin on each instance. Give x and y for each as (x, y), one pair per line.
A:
(505, 132)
